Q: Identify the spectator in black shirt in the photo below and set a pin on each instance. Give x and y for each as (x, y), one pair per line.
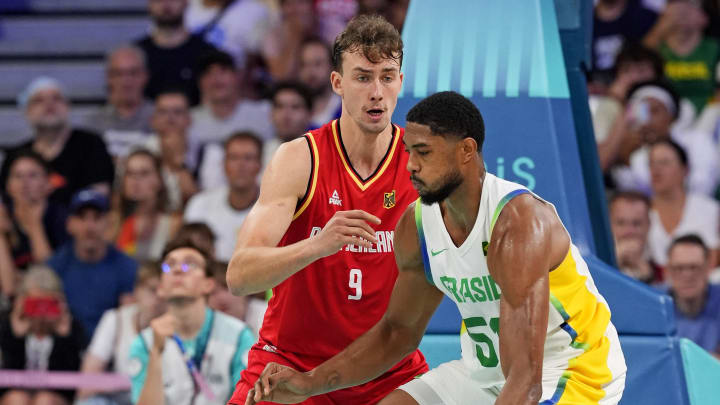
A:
(33, 227)
(78, 159)
(40, 335)
(614, 23)
(171, 51)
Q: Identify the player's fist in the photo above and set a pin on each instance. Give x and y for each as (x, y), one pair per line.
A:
(346, 228)
(280, 384)
(163, 327)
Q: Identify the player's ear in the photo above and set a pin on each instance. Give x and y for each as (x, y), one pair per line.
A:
(336, 82)
(469, 149)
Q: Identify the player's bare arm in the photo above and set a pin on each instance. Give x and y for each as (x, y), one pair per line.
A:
(528, 241)
(257, 263)
(398, 333)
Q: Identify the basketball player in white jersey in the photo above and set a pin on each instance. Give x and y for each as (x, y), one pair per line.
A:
(535, 328)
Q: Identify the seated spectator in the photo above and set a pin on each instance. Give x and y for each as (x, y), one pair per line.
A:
(117, 329)
(281, 46)
(170, 122)
(236, 27)
(315, 69)
(635, 64)
(216, 344)
(224, 110)
(649, 116)
(691, 58)
(675, 211)
(697, 302)
(630, 223)
(291, 108)
(40, 335)
(77, 159)
(224, 209)
(125, 120)
(614, 23)
(142, 222)
(96, 276)
(35, 227)
(171, 51)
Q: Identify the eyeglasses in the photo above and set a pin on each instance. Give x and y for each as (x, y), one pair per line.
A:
(167, 267)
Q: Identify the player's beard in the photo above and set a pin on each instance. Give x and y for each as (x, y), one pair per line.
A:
(169, 22)
(451, 181)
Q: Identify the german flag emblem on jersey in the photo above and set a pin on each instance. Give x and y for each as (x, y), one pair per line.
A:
(389, 200)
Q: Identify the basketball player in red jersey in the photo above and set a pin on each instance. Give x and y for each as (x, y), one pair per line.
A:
(321, 232)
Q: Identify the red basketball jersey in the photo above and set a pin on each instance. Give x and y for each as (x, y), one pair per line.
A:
(324, 307)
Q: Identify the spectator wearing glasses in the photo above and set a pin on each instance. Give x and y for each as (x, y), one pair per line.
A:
(118, 328)
(215, 344)
(697, 302)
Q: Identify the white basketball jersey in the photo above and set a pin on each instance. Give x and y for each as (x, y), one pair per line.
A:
(580, 341)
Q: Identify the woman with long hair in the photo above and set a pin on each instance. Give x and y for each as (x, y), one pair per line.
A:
(143, 221)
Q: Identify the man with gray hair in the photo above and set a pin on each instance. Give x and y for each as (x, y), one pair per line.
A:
(125, 120)
(77, 158)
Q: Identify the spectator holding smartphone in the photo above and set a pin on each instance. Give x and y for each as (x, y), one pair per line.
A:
(651, 110)
(40, 335)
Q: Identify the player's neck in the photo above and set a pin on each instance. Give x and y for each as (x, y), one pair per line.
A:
(190, 314)
(365, 150)
(462, 205)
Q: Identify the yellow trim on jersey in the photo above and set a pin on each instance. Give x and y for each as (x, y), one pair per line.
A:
(316, 165)
(586, 321)
(388, 158)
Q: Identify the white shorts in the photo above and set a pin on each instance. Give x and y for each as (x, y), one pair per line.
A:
(451, 384)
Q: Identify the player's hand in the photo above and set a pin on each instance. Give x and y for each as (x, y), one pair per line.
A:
(346, 228)
(280, 384)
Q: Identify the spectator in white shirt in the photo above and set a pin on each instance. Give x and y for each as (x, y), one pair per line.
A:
(223, 109)
(675, 211)
(125, 120)
(224, 209)
(117, 329)
(235, 26)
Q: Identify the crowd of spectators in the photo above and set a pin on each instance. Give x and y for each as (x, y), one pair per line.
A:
(655, 102)
(115, 231)
(99, 220)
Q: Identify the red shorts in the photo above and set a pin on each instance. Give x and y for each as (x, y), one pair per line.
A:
(368, 393)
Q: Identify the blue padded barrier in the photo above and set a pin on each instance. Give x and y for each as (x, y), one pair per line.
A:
(446, 319)
(655, 371)
(636, 308)
(702, 374)
(440, 348)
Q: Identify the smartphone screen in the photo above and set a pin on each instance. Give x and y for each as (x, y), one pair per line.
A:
(41, 307)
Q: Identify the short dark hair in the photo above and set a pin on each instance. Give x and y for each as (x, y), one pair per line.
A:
(450, 113)
(634, 52)
(630, 195)
(295, 86)
(198, 232)
(181, 242)
(315, 40)
(690, 239)
(24, 154)
(679, 150)
(216, 57)
(245, 136)
(172, 90)
(372, 35)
